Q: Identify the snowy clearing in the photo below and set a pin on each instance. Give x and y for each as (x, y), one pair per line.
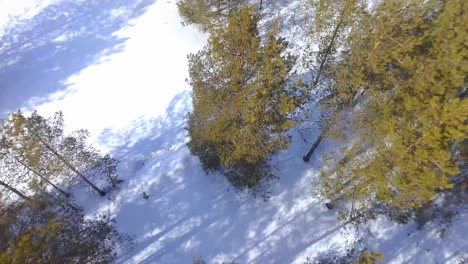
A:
(118, 69)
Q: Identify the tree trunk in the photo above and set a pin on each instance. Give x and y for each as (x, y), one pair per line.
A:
(31, 200)
(328, 50)
(67, 204)
(15, 191)
(40, 176)
(261, 4)
(71, 167)
(306, 158)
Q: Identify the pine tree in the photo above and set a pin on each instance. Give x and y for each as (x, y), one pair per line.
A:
(21, 147)
(50, 136)
(21, 155)
(85, 158)
(333, 20)
(211, 14)
(208, 14)
(44, 232)
(406, 64)
(367, 257)
(243, 100)
(36, 151)
(14, 190)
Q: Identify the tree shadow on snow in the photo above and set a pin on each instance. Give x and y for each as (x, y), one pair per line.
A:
(435, 243)
(37, 55)
(191, 214)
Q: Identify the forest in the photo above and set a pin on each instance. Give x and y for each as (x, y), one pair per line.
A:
(383, 82)
(390, 82)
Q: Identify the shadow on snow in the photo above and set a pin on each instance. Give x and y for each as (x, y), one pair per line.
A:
(37, 55)
(192, 214)
(189, 214)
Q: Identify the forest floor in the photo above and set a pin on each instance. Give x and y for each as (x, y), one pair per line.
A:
(118, 69)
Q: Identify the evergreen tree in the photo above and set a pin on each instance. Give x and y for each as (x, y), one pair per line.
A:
(44, 232)
(367, 257)
(37, 151)
(21, 154)
(14, 190)
(51, 137)
(400, 82)
(13, 186)
(208, 14)
(243, 101)
(332, 22)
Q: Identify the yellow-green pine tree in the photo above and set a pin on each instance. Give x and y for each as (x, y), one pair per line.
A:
(243, 99)
(407, 64)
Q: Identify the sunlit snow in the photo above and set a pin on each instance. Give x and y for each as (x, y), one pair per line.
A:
(118, 69)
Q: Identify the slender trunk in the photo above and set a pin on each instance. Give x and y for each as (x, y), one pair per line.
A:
(306, 158)
(40, 176)
(70, 166)
(328, 50)
(261, 4)
(15, 191)
(347, 158)
(67, 204)
(31, 200)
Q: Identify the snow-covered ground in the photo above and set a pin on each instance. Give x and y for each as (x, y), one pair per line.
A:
(118, 69)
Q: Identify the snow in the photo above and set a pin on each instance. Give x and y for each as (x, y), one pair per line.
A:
(118, 69)
(10, 10)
